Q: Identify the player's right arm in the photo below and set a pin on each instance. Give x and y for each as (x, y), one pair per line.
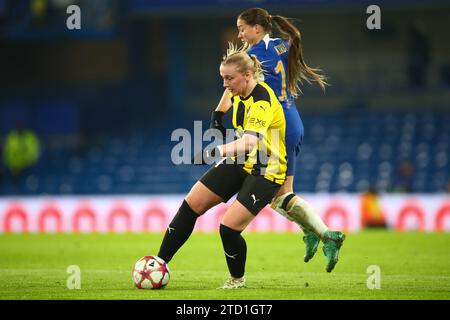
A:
(217, 115)
(225, 102)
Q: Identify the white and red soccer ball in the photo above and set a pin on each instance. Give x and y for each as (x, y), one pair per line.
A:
(151, 272)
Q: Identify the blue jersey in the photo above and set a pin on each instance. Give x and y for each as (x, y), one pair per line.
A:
(273, 54)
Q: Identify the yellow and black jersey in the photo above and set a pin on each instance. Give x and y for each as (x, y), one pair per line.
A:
(261, 114)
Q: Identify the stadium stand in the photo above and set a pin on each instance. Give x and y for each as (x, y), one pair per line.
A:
(342, 152)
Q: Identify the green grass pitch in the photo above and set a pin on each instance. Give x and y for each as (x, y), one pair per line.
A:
(413, 266)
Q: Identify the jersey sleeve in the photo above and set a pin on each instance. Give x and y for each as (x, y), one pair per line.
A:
(260, 117)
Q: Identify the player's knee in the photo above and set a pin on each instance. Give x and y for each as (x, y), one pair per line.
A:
(201, 200)
(200, 205)
(194, 205)
(286, 187)
(227, 232)
(282, 202)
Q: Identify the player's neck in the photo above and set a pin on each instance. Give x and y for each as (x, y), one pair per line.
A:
(250, 87)
(258, 39)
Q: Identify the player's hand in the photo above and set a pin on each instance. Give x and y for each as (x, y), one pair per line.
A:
(207, 156)
(216, 122)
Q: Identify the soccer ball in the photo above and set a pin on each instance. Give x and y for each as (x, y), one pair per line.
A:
(151, 272)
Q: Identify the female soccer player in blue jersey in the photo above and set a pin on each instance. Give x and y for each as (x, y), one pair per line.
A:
(284, 68)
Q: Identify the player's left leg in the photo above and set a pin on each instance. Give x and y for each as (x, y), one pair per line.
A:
(256, 192)
(302, 214)
(300, 211)
(311, 236)
(234, 221)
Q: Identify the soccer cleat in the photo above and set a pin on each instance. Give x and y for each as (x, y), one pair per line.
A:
(312, 243)
(233, 283)
(332, 243)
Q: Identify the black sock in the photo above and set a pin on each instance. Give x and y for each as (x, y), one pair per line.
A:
(178, 232)
(235, 250)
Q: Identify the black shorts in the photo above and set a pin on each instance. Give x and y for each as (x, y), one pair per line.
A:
(254, 192)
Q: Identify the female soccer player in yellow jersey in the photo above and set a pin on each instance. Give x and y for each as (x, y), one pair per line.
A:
(253, 166)
(284, 67)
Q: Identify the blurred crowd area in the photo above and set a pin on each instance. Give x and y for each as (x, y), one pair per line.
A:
(91, 110)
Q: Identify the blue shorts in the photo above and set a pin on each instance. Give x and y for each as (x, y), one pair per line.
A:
(294, 137)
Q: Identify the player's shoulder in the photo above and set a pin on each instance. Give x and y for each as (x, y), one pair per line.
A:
(261, 92)
(258, 49)
(280, 46)
(269, 47)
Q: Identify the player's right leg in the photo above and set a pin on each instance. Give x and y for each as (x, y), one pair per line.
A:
(332, 242)
(217, 185)
(199, 200)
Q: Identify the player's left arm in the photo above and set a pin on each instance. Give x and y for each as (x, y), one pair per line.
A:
(243, 145)
(259, 119)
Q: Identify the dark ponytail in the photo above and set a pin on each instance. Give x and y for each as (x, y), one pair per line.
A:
(298, 70)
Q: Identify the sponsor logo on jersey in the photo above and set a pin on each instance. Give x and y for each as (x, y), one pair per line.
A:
(280, 49)
(257, 122)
